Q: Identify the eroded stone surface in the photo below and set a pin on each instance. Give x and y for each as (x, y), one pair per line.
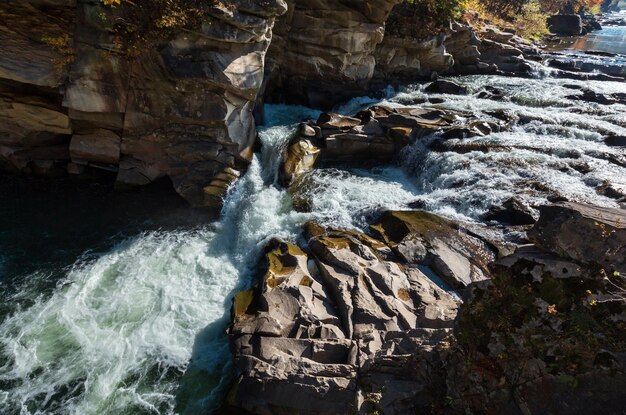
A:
(371, 137)
(181, 109)
(323, 51)
(334, 324)
(547, 330)
(588, 234)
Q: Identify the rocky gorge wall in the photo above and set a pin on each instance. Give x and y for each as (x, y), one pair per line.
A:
(75, 102)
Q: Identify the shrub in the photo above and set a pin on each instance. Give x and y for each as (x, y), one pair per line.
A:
(139, 23)
(531, 23)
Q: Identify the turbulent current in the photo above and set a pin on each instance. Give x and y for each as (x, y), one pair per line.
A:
(137, 324)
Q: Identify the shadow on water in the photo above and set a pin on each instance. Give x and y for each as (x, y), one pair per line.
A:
(208, 377)
(46, 224)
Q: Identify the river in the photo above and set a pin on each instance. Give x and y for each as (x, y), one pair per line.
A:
(118, 304)
(611, 39)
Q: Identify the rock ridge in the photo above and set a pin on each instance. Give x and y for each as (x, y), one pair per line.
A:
(353, 322)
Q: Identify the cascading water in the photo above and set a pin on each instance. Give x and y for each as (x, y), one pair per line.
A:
(139, 327)
(119, 332)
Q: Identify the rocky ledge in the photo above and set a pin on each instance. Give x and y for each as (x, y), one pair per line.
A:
(354, 322)
(378, 134)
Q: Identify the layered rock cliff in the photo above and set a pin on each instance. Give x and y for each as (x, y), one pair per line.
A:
(73, 99)
(323, 51)
(408, 54)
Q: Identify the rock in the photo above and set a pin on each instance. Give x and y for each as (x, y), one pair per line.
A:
(353, 325)
(615, 141)
(519, 324)
(316, 320)
(323, 52)
(298, 159)
(592, 96)
(492, 94)
(586, 234)
(182, 108)
(512, 212)
(372, 137)
(566, 24)
(102, 146)
(593, 24)
(608, 190)
(422, 238)
(442, 86)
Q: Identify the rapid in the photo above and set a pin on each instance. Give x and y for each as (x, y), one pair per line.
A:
(137, 325)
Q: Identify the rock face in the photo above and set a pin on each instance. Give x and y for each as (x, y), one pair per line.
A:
(181, 109)
(323, 51)
(329, 329)
(353, 324)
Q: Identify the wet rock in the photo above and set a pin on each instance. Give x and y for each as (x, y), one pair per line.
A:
(473, 129)
(608, 190)
(492, 94)
(299, 158)
(512, 212)
(566, 24)
(587, 234)
(457, 146)
(581, 167)
(615, 141)
(442, 86)
(592, 96)
(372, 137)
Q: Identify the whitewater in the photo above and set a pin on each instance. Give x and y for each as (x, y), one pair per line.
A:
(139, 327)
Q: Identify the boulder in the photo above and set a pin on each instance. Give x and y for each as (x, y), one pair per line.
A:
(615, 141)
(421, 238)
(442, 86)
(592, 96)
(512, 212)
(587, 234)
(566, 24)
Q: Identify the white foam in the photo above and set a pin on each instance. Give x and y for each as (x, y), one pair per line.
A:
(118, 335)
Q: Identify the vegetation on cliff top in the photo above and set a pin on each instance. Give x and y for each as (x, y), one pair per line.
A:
(139, 22)
(527, 17)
